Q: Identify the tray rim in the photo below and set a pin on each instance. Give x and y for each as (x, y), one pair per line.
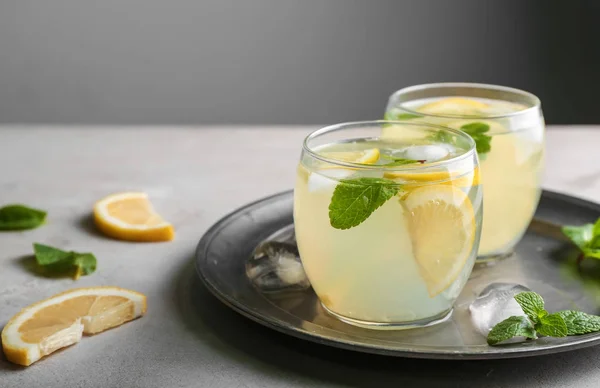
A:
(275, 324)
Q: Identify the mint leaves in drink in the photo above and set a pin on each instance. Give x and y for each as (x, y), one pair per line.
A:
(20, 217)
(393, 161)
(354, 200)
(54, 261)
(400, 116)
(539, 321)
(477, 131)
(586, 238)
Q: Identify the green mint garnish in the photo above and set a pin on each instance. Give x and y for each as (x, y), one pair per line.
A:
(532, 305)
(579, 322)
(586, 238)
(399, 161)
(20, 217)
(55, 261)
(354, 200)
(552, 325)
(400, 116)
(539, 321)
(509, 328)
(477, 132)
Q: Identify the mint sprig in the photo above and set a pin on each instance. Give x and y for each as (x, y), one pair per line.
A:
(399, 161)
(539, 321)
(54, 261)
(586, 238)
(400, 116)
(354, 200)
(477, 131)
(20, 217)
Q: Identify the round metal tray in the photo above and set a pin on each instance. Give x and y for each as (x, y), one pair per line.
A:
(543, 261)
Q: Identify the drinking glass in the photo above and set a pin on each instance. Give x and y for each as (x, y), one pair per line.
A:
(388, 219)
(508, 127)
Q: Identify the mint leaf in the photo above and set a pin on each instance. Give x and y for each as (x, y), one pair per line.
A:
(581, 236)
(400, 116)
(20, 217)
(586, 237)
(595, 243)
(595, 253)
(399, 161)
(354, 200)
(55, 261)
(579, 322)
(532, 305)
(477, 132)
(552, 325)
(47, 255)
(85, 264)
(509, 328)
(402, 162)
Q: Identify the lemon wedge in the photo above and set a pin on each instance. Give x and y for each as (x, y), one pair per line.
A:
(441, 224)
(369, 156)
(60, 321)
(454, 106)
(130, 216)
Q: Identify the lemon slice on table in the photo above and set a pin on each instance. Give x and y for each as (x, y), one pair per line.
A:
(441, 224)
(454, 106)
(130, 216)
(60, 321)
(369, 156)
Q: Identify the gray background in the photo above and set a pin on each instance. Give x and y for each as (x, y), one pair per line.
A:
(283, 61)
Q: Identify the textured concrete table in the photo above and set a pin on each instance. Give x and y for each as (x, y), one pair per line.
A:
(189, 339)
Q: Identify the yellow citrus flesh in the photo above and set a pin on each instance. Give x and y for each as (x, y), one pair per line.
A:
(369, 156)
(416, 179)
(60, 321)
(130, 216)
(441, 224)
(454, 106)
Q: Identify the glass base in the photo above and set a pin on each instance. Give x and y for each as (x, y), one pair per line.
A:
(489, 259)
(426, 322)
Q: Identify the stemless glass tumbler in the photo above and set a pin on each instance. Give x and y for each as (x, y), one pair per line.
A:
(508, 128)
(388, 220)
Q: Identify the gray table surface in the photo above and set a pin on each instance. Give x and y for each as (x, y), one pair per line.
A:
(188, 338)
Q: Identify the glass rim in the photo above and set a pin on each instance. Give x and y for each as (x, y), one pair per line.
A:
(536, 103)
(407, 167)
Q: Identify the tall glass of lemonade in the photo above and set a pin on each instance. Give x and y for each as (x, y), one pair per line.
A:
(508, 128)
(388, 227)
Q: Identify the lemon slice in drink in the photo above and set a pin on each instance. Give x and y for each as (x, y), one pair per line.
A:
(369, 156)
(454, 106)
(457, 179)
(60, 321)
(441, 224)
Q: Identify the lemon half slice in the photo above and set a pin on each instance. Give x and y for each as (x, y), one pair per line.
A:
(130, 216)
(454, 106)
(369, 156)
(441, 224)
(60, 321)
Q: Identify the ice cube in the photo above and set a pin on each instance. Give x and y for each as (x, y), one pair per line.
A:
(494, 304)
(429, 153)
(276, 266)
(326, 179)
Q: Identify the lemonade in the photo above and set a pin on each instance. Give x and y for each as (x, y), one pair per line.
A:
(387, 230)
(508, 127)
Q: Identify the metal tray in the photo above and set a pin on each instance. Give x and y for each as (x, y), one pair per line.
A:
(543, 261)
